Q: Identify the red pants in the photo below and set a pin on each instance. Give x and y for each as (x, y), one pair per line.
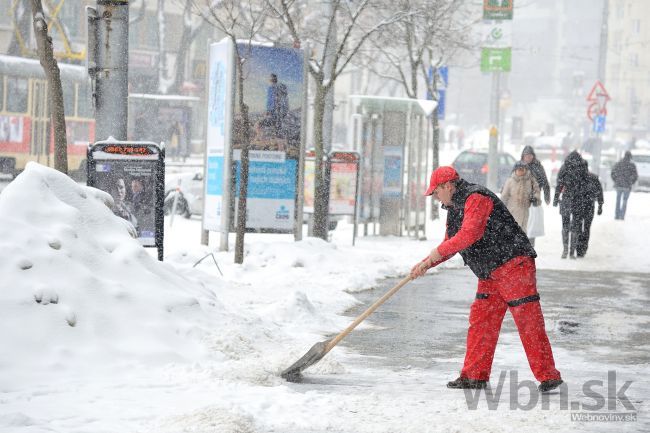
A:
(513, 285)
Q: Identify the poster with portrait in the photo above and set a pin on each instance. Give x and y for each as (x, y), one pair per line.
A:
(130, 174)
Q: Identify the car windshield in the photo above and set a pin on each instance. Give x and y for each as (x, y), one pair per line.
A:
(641, 158)
(471, 158)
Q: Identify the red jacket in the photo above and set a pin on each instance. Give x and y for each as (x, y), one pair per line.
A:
(477, 212)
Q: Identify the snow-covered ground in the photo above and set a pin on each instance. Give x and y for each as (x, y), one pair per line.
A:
(97, 336)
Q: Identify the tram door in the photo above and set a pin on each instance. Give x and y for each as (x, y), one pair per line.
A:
(40, 143)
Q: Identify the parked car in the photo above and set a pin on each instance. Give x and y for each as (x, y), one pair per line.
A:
(642, 160)
(472, 166)
(189, 188)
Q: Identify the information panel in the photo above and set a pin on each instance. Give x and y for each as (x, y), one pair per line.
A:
(133, 174)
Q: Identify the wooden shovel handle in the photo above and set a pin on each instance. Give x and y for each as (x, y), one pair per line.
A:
(333, 342)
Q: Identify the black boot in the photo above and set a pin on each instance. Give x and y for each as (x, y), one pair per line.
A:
(549, 385)
(467, 383)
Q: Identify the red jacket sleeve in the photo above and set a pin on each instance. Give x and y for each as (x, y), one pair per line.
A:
(477, 212)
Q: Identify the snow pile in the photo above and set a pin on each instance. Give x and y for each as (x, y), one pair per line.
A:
(79, 292)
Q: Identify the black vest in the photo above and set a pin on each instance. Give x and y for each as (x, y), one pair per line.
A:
(502, 240)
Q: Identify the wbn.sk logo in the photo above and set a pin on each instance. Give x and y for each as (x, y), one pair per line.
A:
(602, 396)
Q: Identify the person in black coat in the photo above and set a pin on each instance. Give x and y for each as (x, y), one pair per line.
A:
(571, 182)
(592, 191)
(537, 170)
(624, 175)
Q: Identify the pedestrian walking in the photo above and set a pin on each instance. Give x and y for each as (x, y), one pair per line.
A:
(520, 192)
(535, 227)
(593, 191)
(571, 181)
(624, 175)
(481, 229)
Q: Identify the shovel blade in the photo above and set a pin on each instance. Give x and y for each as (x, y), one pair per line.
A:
(315, 354)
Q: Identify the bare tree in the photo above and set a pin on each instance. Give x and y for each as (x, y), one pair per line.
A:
(336, 34)
(429, 33)
(55, 91)
(191, 29)
(238, 21)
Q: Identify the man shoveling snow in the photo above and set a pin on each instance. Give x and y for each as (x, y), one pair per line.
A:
(481, 229)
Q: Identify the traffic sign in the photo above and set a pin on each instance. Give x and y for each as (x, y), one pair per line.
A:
(598, 92)
(594, 110)
(496, 59)
(497, 9)
(599, 124)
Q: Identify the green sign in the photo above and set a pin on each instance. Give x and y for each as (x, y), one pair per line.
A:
(497, 9)
(496, 59)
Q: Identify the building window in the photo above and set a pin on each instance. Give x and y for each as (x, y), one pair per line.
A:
(636, 26)
(620, 9)
(5, 17)
(68, 99)
(71, 19)
(150, 31)
(84, 102)
(16, 95)
(2, 92)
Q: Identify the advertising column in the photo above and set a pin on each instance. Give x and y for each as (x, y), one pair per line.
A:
(215, 211)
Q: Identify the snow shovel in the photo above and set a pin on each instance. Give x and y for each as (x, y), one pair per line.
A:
(319, 350)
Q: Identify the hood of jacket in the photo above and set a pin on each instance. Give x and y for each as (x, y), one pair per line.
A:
(528, 149)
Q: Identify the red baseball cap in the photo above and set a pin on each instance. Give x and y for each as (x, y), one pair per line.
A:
(439, 176)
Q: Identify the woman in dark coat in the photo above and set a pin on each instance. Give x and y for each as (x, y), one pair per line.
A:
(539, 174)
(537, 170)
(571, 181)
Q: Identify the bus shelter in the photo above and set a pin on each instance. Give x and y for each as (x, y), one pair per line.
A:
(393, 137)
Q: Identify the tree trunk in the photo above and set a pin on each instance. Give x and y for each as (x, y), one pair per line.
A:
(243, 178)
(55, 91)
(320, 184)
(187, 37)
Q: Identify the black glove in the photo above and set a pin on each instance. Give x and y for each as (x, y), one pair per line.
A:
(555, 203)
(600, 209)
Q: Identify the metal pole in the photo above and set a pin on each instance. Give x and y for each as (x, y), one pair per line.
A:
(205, 234)
(492, 175)
(112, 72)
(300, 201)
(602, 68)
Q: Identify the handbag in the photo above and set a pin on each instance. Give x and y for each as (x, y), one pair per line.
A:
(533, 200)
(535, 227)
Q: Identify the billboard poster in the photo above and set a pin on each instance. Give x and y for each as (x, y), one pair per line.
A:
(343, 183)
(273, 92)
(130, 174)
(344, 169)
(310, 184)
(270, 202)
(218, 130)
(392, 172)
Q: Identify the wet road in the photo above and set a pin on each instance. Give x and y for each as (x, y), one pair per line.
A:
(599, 316)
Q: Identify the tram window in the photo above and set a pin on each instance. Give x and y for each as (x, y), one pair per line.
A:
(68, 98)
(16, 95)
(84, 108)
(5, 18)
